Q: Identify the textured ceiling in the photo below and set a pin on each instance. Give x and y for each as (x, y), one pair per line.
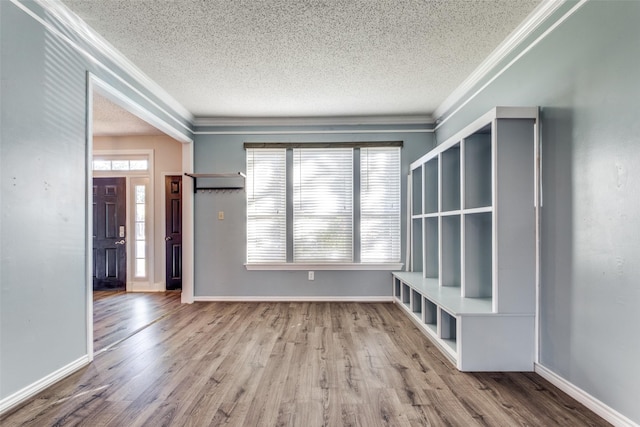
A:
(286, 58)
(110, 119)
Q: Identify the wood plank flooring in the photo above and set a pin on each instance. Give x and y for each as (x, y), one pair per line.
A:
(118, 315)
(286, 364)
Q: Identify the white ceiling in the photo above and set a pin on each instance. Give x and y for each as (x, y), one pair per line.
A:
(311, 58)
(109, 119)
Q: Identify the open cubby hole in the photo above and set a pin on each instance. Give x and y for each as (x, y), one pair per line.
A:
(431, 186)
(406, 294)
(478, 255)
(431, 245)
(448, 329)
(451, 272)
(416, 303)
(450, 186)
(430, 315)
(397, 287)
(477, 169)
(416, 254)
(416, 182)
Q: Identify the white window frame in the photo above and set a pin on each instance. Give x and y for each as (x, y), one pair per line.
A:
(290, 265)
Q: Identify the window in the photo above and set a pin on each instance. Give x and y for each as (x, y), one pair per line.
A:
(140, 269)
(323, 205)
(120, 164)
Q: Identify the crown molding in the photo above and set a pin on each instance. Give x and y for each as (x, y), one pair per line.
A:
(539, 15)
(74, 23)
(315, 121)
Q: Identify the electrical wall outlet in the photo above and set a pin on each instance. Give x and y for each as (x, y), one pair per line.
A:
(311, 275)
(220, 215)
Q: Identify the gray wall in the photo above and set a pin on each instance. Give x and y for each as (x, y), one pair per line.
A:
(43, 150)
(220, 246)
(584, 75)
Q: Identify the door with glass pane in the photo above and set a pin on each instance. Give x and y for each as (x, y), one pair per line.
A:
(109, 234)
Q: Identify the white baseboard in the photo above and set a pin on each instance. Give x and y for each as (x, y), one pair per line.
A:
(603, 410)
(293, 299)
(31, 390)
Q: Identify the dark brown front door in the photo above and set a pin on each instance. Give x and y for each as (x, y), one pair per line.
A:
(109, 234)
(173, 236)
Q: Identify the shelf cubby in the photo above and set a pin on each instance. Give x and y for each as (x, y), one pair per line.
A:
(397, 287)
(450, 273)
(431, 186)
(448, 332)
(417, 247)
(450, 179)
(431, 248)
(430, 315)
(477, 170)
(416, 184)
(416, 303)
(478, 260)
(406, 294)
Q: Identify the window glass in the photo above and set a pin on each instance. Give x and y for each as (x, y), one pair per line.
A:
(319, 227)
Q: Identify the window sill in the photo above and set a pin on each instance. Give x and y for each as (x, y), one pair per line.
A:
(391, 266)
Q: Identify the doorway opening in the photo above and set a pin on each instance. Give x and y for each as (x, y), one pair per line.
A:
(128, 160)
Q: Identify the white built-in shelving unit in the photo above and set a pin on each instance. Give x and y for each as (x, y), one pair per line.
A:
(471, 287)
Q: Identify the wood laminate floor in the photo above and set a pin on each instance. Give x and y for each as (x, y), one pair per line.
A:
(285, 364)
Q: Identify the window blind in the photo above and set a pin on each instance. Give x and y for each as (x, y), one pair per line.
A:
(266, 205)
(379, 204)
(323, 205)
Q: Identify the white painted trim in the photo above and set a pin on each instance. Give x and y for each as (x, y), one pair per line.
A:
(31, 390)
(539, 15)
(395, 266)
(363, 299)
(314, 121)
(89, 215)
(506, 67)
(597, 406)
(313, 132)
(188, 232)
(74, 23)
(138, 110)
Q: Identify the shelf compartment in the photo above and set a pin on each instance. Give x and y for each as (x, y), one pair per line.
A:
(431, 186)
(416, 303)
(478, 255)
(416, 249)
(448, 333)
(397, 288)
(406, 294)
(431, 245)
(430, 318)
(478, 170)
(416, 187)
(450, 179)
(450, 272)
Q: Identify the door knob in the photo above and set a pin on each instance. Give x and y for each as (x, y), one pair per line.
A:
(121, 242)
(166, 239)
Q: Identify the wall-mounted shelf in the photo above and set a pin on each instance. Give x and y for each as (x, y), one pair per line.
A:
(217, 181)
